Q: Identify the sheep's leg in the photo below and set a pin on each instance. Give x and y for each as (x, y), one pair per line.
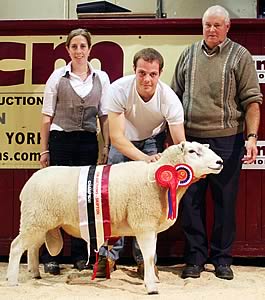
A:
(147, 244)
(19, 245)
(29, 255)
(33, 253)
(33, 261)
(16, 251)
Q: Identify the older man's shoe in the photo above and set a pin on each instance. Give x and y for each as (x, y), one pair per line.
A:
(192, 271)
(224, 272)
(52, 267)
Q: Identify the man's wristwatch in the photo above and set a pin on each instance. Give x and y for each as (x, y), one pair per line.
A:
(254, 135)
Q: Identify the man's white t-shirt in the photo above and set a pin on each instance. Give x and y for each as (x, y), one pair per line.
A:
(144, 119)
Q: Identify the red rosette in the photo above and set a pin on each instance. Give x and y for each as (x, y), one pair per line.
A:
(167, 176)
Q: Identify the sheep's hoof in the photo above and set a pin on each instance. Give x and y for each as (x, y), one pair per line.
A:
(37, 277)
(153, 293)
(12, 283)
(152, 290)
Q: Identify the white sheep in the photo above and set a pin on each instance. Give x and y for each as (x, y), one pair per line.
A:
(138, 206)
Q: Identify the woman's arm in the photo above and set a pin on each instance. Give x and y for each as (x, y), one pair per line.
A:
(104, 126)
(44, 135)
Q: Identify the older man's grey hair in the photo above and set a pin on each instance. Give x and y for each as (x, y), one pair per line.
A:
(217, 10)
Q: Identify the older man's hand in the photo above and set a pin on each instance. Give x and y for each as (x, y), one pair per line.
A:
(252, 151)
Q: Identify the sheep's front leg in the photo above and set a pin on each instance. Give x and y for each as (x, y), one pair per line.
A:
(147, 244)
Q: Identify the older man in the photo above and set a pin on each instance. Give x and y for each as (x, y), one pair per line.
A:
(217, 83)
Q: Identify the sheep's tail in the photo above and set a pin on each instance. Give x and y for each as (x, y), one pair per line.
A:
(22, 193)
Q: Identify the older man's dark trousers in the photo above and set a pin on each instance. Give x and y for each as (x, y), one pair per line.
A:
(224, 189)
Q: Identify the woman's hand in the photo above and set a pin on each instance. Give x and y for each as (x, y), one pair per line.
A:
(104, 156)
(44, 159)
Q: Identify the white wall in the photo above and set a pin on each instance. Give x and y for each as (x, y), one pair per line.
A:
(196, 8)
(66, 9)
(33, 9)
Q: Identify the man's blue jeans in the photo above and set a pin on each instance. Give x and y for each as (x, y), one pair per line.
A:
(150, 146)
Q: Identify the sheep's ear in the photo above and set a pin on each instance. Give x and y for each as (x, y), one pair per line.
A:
(206, 145)
(182, 144)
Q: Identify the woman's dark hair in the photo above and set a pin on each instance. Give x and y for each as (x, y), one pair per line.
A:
(76, 32)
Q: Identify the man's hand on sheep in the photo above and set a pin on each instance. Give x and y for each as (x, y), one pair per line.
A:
(152, 158)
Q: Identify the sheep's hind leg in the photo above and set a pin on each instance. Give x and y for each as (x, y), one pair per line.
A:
(147, 244)
(19, 245)
(33, 261)
(33, 253)
(16, 250)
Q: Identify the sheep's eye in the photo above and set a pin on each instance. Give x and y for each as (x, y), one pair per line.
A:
(192, 151)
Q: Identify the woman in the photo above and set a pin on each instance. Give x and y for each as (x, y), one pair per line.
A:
(74, 96)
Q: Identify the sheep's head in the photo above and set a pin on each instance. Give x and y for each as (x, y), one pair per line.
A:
(199, 157)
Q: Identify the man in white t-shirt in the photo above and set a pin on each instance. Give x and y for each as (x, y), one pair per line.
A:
(140, 109)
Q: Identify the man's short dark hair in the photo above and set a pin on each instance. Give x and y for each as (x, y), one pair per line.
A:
(149, 54)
